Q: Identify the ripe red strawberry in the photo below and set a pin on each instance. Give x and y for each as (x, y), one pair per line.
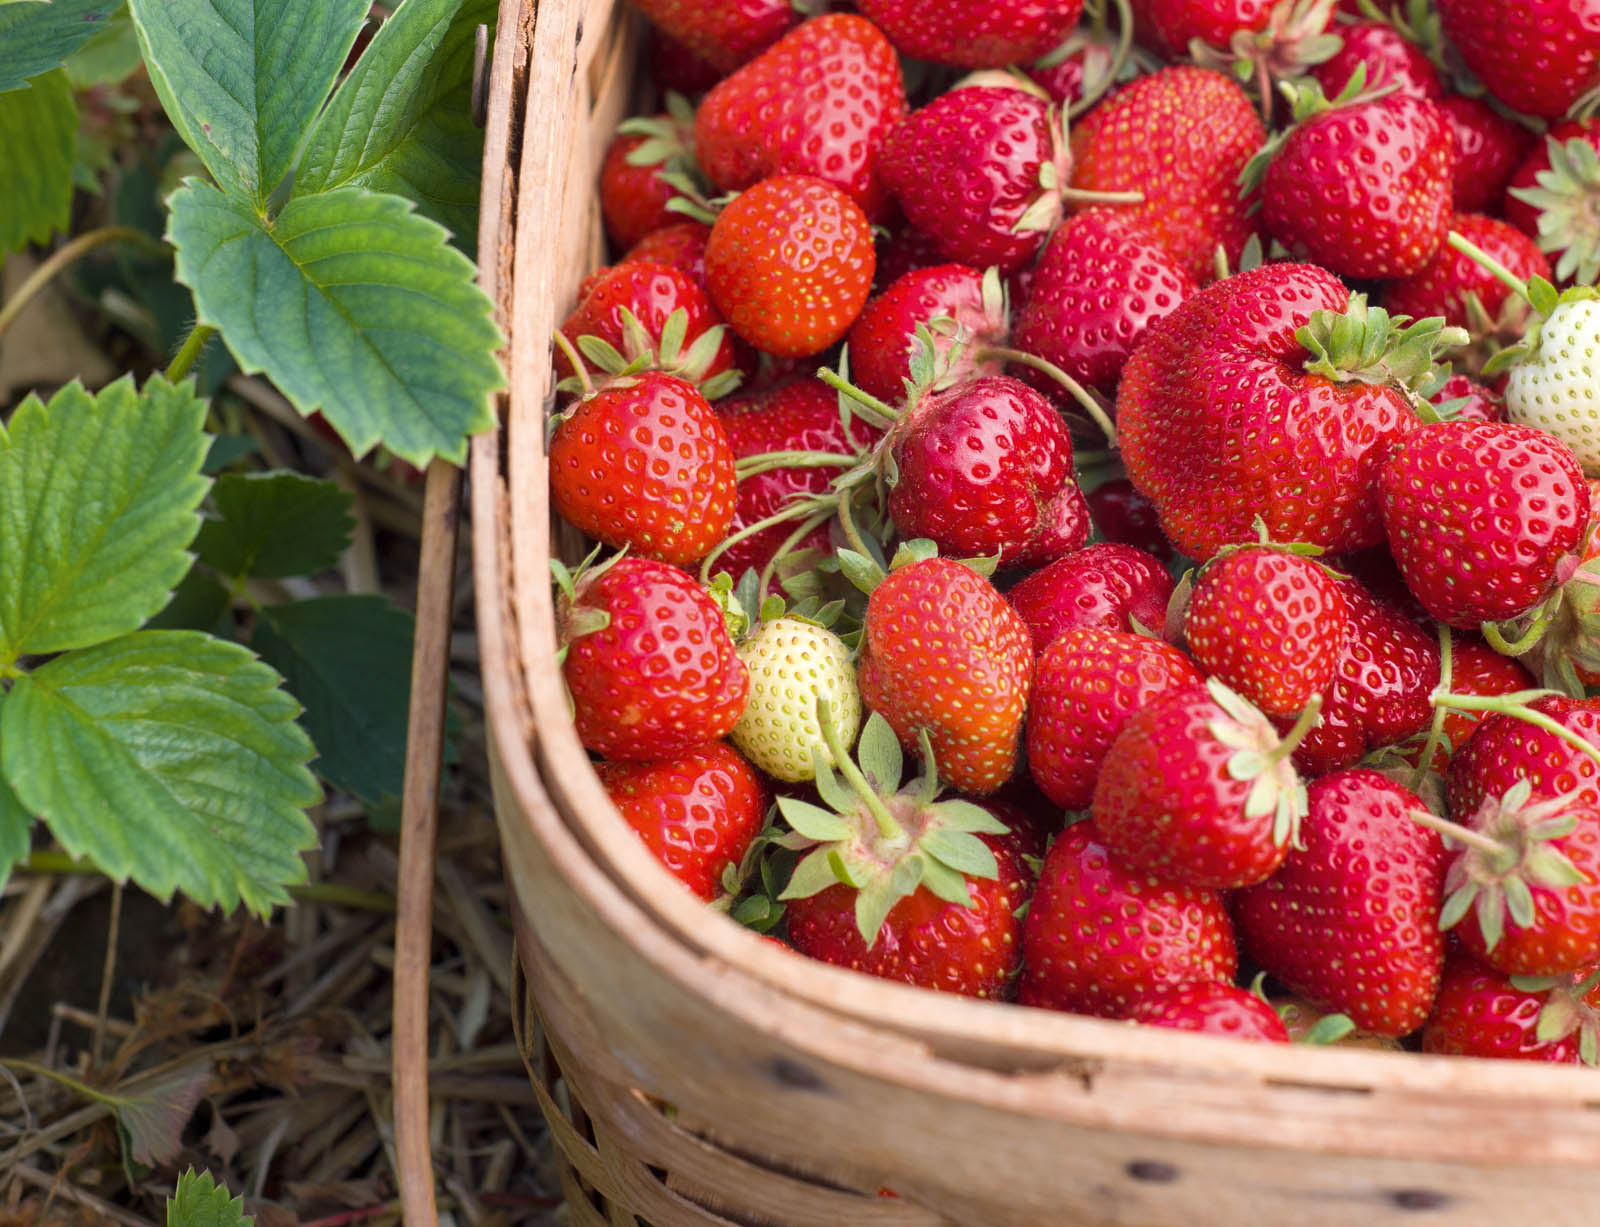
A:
(789, 264)
(643, 462)
(1086, 686)
(818, 102)
(633, 191)
(974, 33)
(1269, 624)
(1471, 400)
(649, 662)
(1505, 750)
(1360, 187)
(1198, 788)
(882, 340)
(1442, 286)
(681, 245)
(1539, 63)
(1475, 669)
(1224, 418)
(1127, 517)
(1351, 920)
(1489, 147)
(725, 33)
(979, 170)
(1167, 27)
(1115, 587)
(942, 653)
(1478, 516)
(1550, 197)
(1213, 1008)
(905, 250)
(676, 69)
(1390, 59)
(698, 812)
(1100, 283)
(1482, 1013)
(1181, 136)
(1086, 70)
(1099, 936)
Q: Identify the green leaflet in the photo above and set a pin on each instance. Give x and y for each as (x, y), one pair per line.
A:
(352, 304)
(35, 38)
(16, 825)
(201, 1202)
(169, 758)
(38, 130)
(275, 524)
(242, 80)
(98, 499)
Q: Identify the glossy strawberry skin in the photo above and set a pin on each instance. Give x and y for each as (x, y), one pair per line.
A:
(1504, 750)
(633, 199)
(1475, 669)
(644, 463)
(1219, 422)
(1483, 404)
(1099, 284)
(1099, 936)
(1211, 1008)
(799, 416)
(682, 246)
(651, 292)
(1390, 59)
(1441, 286)
(985, 468)
(1181, 136)
(882, 339)
(1480, 1013)
(673, 67)
(789, 264)
(965, 168)
(819, 102)
(974, 33)
(941, 651)
(1104, 585)
(1351, 920)
(1269, 625)
(697, 812)
(1537, 58)
(1125, 516)
(926, 941)
(1479, 514)
(1168, 26)
(662, 677)
(1364, 189)
(1489, 147)
(1087, 684)
(724, 33)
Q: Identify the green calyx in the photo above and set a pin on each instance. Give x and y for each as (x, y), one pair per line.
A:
(1103, 64)
(640, 352)
(1566, 1009)
(574, 620)
(1418, 23)
(1537, 292)
(668, 139)
(1306, 101)
(1568, 200)
(1571, 640)
(883, 840)
(1263, 758)
(1365, 344)
(1292, 41)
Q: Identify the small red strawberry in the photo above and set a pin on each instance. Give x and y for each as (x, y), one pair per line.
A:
(634, 191)
(1478, 516)
(1198, 788)
(1388, 56)
(725, 33)
(943, 654)
(1351, 920)
(1269, 624)
(1082, 70)
(1538, 59)
(681, 245)
(1086, 686)
(1469, 401)
(698, 812)
(1125, 516)
(1489, 147)
(974, 33)
(1168, 27)
(1450, 279)
(1115, 587)
(676, 69)
(648, 660)
(1212, 1008)
(818, 102)
(1484, 1013)
(789, 264)
(969, 307)
(1099, 936)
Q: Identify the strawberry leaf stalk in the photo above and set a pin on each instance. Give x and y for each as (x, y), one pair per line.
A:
(1295, 38)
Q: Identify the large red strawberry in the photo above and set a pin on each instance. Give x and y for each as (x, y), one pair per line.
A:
(974, 33)
(1351, 920)
(818, 102)
(1087, 684)
(1180, 136)
(724, 32)
(943, 654)
(1224, 416)
(1099, 936)
(1489, 147)
(1446, 284)
(1538, 58)
(1108, 585)
(1100, 283)
(1479, 515)
(698, 812)
(789, 264)
(969, 310)
(1212, 1008)
(1469, 400)
(643, 462)
(648, 660)
(1484, 1013)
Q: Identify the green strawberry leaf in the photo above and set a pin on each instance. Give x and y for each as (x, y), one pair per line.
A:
(201, 1202)
(38, 131)
(348, 659)
(169, 758)
(35, 38)
(401, 122)
(98, 500)
(198, 603)
(275, 524)
(16, 826)
(947, 883)
(814, 874)
(352, 304)
(110, 56)
(242, 80)
(961, 851)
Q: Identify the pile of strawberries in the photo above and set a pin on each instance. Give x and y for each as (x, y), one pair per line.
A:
(1094, 507)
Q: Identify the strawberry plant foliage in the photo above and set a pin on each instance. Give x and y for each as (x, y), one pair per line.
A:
(37, 126)
(201, 1202)
(271, 525)
(36, 37)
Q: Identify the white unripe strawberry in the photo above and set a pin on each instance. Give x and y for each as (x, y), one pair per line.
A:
(792, 663)
(1556, 385)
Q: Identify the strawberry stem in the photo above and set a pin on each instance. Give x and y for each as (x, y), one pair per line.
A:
(778, 555)
(887, 826)
(1304, 723)
(878, 413)
(1524, 642)
(847, 521)
(1119, 57)
(1430, 748)
(1079, 394)
(1079, 195)
(1462, 835)
(1516, 706)
(765, 462)
(791, 510)
(1490, 265)
(577, 362)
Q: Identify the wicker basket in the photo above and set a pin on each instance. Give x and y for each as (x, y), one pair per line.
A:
(695, 1075)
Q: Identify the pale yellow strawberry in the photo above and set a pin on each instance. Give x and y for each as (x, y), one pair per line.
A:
(792, 663)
